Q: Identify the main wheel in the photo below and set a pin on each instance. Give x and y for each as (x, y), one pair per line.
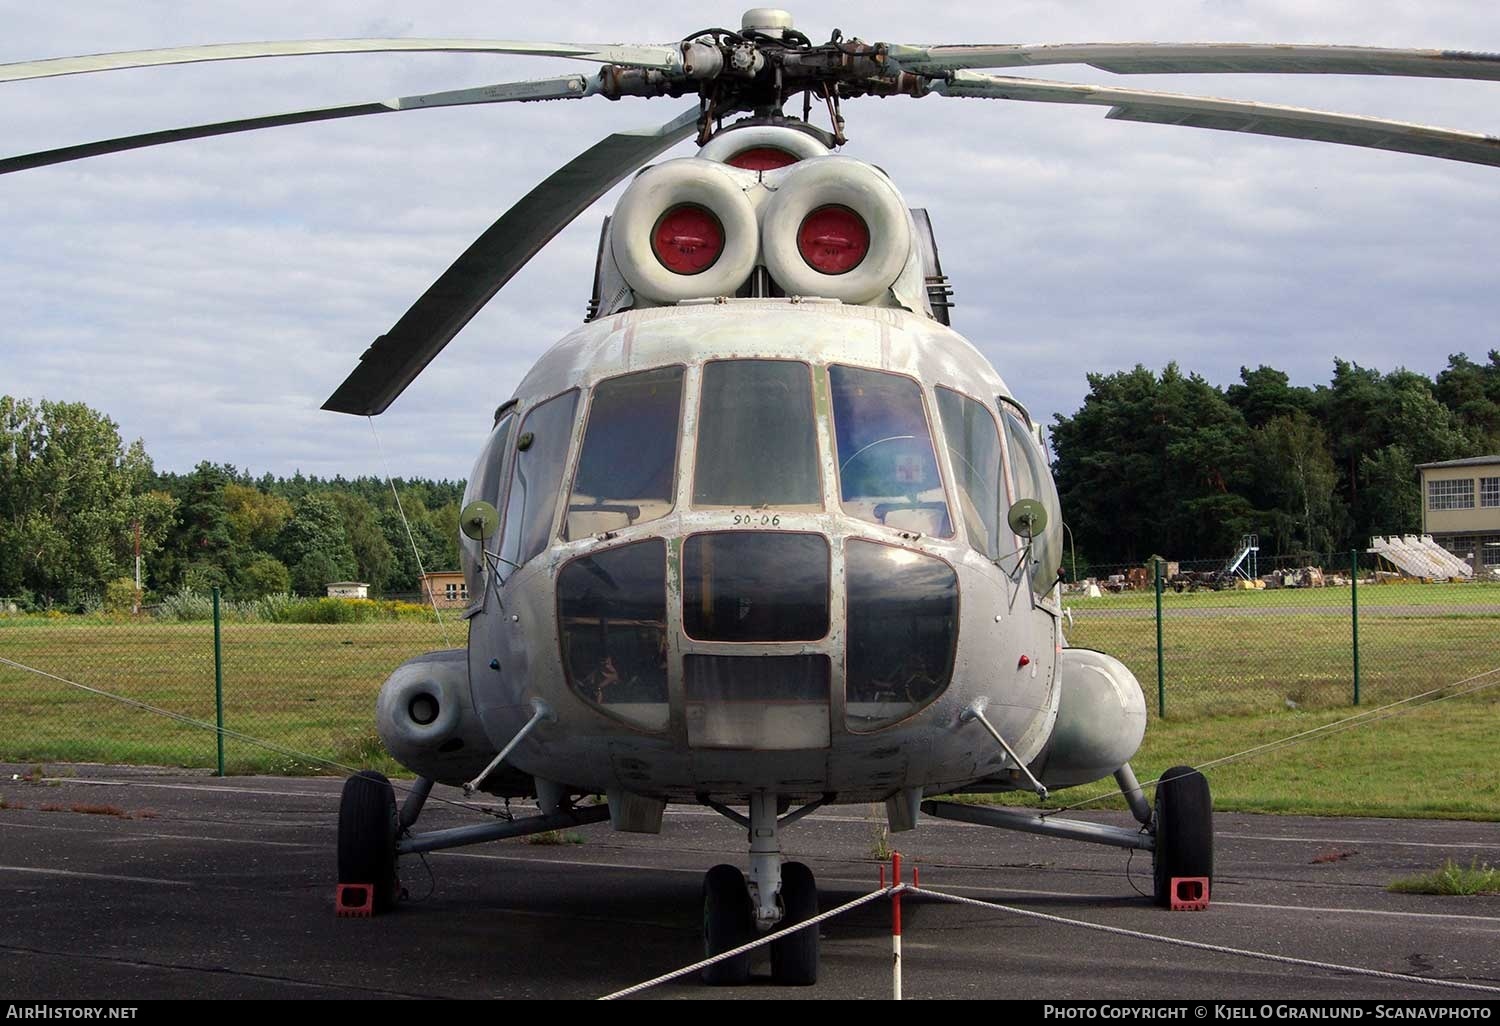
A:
(367, 836)
(1184, 830)
(794, 959)
(728, 922)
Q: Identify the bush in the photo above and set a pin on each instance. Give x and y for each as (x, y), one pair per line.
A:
(340, 610)
(262, 576)
(186, 605)
(120, 596)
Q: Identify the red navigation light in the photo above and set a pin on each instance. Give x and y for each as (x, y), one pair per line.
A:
(687, 239)
(762, 158)
(833, 239)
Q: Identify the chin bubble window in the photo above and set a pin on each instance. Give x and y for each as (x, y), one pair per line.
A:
(903, 627)
(612, 619)
(1034, 481)
(627, 466)
(888, 474)
(755, 586)
(765, 703)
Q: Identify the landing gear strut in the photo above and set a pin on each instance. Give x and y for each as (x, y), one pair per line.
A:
(776, 895)
(1179, 832)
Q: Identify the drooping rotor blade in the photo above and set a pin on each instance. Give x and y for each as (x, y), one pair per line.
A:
(1205, 58)
(567, 87)
(1236, 116)
(663, 57)
(398, 356)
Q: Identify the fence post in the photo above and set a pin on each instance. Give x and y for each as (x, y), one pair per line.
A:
(218, 684)
(1161, 675)
(1354, 613)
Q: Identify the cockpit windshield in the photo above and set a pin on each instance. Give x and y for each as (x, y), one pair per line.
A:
(757, 446)
(888, 473)
(627, 466)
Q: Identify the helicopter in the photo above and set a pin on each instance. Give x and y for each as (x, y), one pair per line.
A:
(765, 532)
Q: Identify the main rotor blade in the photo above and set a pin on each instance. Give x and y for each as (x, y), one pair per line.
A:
(567, 87)
(398, 356)
(663, 57)
(1205, 58)
(1236, 116)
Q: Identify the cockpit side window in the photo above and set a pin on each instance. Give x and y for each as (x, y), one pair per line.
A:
(627, 466)
(974, 447)
(1034, 481)
(484, 483)
(536, 477)
(888, 473)
(757, 446)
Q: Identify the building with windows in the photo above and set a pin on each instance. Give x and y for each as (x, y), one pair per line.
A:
(445, 589)
(1461, 508)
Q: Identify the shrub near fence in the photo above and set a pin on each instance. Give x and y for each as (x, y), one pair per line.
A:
(304, 673)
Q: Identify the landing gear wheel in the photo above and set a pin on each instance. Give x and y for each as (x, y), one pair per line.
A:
(367, 836)
(728, 922)
(1184, 830)
(794, 959)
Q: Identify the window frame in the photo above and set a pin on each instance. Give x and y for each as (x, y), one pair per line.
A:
(958, 621)
(1001, 527)
(838, 470)
(674, 672)
(1461, 488)
(707, 643)
(1489, 492)
(691, 486)
(524, 412)
(582, 428)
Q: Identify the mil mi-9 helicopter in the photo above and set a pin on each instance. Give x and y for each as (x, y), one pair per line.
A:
(765, 533)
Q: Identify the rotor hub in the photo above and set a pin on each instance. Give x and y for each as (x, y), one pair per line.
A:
(773, 21)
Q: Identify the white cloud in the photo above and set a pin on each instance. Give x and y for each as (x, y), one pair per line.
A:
(209, 295)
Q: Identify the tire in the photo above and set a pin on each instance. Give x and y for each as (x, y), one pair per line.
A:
(1184, 830)
(794, 959)
(367, 836)
(728, 922)
(845, 182)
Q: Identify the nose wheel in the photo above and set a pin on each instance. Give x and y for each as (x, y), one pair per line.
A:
(777, 895)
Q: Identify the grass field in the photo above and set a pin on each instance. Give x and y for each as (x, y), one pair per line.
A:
(1248, 668)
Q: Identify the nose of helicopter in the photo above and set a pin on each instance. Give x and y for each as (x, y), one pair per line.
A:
(748, 633)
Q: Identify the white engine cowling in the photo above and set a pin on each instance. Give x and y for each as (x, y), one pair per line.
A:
(836, 182)
(729, 144)
(687, 181)
(1101, 719)
(427, 722)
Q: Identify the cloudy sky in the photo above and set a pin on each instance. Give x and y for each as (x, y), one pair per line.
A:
(210, 295)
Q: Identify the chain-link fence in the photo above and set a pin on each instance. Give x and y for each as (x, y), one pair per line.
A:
(306, 687)
(1209, 640)
(1219, 637)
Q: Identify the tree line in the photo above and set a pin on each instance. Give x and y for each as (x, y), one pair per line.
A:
(1151, 463)
(1169, 464)
(74, 498)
